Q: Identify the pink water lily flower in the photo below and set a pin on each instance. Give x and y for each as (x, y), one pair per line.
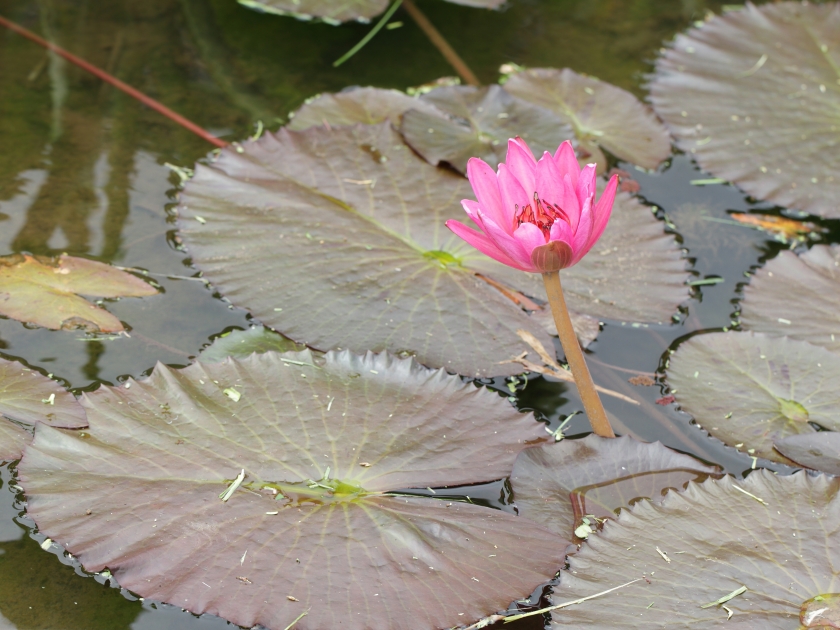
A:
(538, 216)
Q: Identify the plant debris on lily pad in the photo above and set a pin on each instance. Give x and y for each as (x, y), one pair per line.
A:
(751, 390)
(368, 106)
(243, 488)
(819, 451)
(336, 11)
(356, 255)
(753, 95)
(557, 485)
(242, 343)
(45, 291)
(797, 296)
(477, 122)
(601, 115)
(726, 553)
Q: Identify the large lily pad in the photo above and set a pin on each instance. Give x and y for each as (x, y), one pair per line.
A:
(769, 544)
(797, 296)
(558, 484)
(341, 10)
(601, 115)
(27, 396)
(751, 390)
(753, 95)
(820, 451)
(336, 238)
(12, 440)
(477, 122)
(45, 291)
(367, 105)
(140, 492)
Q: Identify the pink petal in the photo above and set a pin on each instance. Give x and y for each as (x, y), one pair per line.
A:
(507, 243)
(529, 237)
(562, 231)
(583, 234)
(586, 185)
(601, 214)
(484, 244)
(473, 210)
(521, 163)
(513, 195)
(567, 162)
(485, 185)
(554, 188)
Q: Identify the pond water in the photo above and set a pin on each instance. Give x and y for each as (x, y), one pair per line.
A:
(82, 171)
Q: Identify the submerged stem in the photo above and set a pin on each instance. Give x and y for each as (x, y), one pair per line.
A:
(440, 43)
(574, 355)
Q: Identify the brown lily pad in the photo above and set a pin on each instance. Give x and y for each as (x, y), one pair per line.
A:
(601, 115)
(319, 445)
(557, 485)
(45, 291)
(753, 96)
(751, 390)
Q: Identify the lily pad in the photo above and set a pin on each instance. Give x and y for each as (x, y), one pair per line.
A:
(242, 343)
(797, 296)
(751, 390)
(557, 485)
(336, 11)
(762, 547)
(45, 291)
(601, 115)
(336, 238)
(820, 451)
(367, 105)
(477, 122)
(318, 443)
(753, 96)
(27, 396)
(13, 439)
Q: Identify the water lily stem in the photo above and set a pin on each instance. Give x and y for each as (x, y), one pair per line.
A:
(574, 355)
(440, 43)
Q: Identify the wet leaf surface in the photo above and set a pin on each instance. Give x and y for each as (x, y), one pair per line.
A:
(330, 434)
(12, 440)
(797, 296)
(558, 484)
(786, 230)
(784, 549)
(821, 611)
(753, 96)
(341, 10)
(45, 291)
(820, 451)
(751, 390)
(242, 343)
(30, 397)
(477, 122)
(368, 106)
(601, 115)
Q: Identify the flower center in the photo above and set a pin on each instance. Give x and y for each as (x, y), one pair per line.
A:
(542, 214)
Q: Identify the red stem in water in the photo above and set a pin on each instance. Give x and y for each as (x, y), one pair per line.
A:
(150, 102)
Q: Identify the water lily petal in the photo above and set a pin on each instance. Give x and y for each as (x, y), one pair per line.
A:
(473, 210)
(522, 164)
(506, 242)
(566, 161)
(485, 185)
(483, 244)
(553, 256)
(603, 210)
(562, 231)
(514, 197)
(583, 235)
(586, 185)
(529, 236)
